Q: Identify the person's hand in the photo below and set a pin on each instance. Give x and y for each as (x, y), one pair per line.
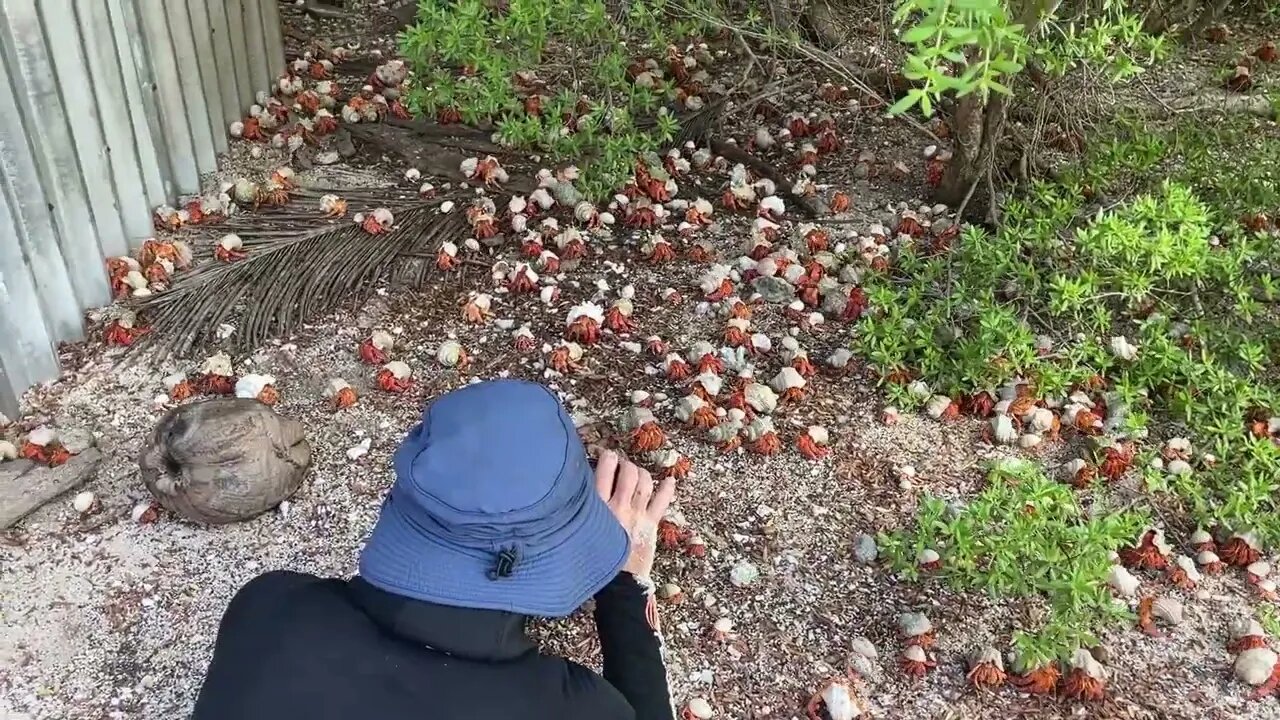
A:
(629, 491)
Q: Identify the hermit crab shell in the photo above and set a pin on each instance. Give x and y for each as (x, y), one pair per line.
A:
(224, 460)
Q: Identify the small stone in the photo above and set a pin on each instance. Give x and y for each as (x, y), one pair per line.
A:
(83, 502)
(700, 709)
(914, 624)
(743, 574)
(774, 289)
(865, 648)
(1101, 653)
(865, 550)
(359, 450)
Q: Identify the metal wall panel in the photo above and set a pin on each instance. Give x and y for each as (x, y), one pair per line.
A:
(108, 108)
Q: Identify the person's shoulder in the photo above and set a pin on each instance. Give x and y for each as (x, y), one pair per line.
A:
(281, 587)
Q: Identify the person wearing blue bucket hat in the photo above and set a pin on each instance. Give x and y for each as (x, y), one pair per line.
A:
(495, 515)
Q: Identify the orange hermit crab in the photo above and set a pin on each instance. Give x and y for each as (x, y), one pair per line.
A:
(647, 435)
(812, 443)
(583, 323)
(395, 377)
(1087, 678)
(377, 222)
(1042, 680)
(837, 699)
(986, 669)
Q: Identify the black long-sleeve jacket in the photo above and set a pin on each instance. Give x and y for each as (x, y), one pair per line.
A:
(299, 647)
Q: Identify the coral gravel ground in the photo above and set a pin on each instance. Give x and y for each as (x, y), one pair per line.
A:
(108, 618)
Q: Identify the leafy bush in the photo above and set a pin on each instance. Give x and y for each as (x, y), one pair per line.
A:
(1026, 536)
(1166, 263)
(977, 47)
(468, 59)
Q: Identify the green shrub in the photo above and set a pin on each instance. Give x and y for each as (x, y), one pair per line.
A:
(466, 57)
(1025, 536)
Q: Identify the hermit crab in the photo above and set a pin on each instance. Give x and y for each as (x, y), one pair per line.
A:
(341, 395)
(1038, 680)
(675, 368)
(1241, 549)
(1150, 552)
(584, 323)
(916, 629)
(43, 446)
(696, 412)
(762, 439)
(812, 443)
(670, 464)
(395, 377)
(257, 387)
(123, 329)
(332, 206)
(1087, 678)
(986, 668)
(378, 222)
(373, 350)
(618, 318)
(488, 170)
(915, 661)
(646, 435)
(451, 354)
(216, 376)
(566, 357)
(837, 699)
(230, 249)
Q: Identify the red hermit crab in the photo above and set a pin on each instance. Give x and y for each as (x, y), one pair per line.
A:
(373, 350)
(646, 434)
(761, 437)
(123, 329)
(332, 206)
(1150, 552)
(618, 318)
(986, 669)
(1041, 680)
(658, 250)
(583, 323)
(488, 170)
(377, 222)
(837, 699)
(341, 395)
(43, 446)
(1087, 678)
(230, 248)
(1241, 550)
(812, 443)
(566, 357)
(395, 377)
(447, 257)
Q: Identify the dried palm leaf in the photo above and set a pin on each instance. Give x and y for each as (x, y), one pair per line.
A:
(290, 276)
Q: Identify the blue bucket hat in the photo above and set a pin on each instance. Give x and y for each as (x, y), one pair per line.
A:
(494, 507)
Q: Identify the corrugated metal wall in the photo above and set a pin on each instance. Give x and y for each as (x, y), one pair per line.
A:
(108, 109)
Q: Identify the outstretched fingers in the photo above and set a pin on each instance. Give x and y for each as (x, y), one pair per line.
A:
(606, 470)
(661, 500)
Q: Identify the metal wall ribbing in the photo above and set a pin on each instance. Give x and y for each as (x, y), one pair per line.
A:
(108, 108)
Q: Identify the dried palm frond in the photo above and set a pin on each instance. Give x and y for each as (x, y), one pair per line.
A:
(290, 276)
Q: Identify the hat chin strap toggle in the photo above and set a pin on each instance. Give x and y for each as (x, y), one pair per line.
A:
(505, 563)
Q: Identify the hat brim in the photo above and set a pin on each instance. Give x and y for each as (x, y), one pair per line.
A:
(402, 558)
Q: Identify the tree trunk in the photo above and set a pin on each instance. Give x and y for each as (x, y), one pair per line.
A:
(977, 128)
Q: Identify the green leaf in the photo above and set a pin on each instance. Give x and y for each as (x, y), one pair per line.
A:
(908, 101)
(919, 34)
